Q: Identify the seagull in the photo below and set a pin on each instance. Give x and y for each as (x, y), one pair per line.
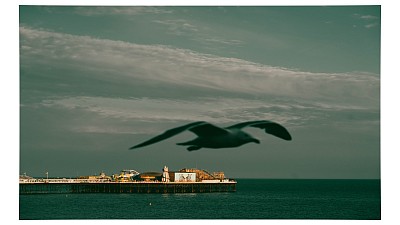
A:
(211, 136)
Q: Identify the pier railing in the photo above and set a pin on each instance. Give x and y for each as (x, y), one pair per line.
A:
(68, 180)
(63, 180)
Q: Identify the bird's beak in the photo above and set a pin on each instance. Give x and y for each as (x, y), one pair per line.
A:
(256, 141)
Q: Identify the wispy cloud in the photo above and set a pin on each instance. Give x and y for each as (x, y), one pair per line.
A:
(223, 41)
(131, 112)
(371, 25)
(222, 110)
(178, 27)
(182, 27)
(369, 19)
(122, 10)
(365, 17)
(184, 67)
(240, 90)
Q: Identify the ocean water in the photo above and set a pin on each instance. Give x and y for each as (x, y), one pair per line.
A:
(254, 199)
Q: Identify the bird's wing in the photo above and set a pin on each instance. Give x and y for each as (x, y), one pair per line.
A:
(168, 134)
(269, 127)
(207, 129)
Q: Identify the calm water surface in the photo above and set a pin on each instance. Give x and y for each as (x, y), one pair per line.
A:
(254, 199)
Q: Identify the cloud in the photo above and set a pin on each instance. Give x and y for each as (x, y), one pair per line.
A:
(185, 28)
(123, 10)
(365, 17)
(223, 41)
(124, 116)
(368, 18)
(220, 110)
(178, 27)
(371, 25)
(156, 84)
(173, 66)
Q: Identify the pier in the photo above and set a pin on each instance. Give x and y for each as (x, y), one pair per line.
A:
(130, 181)
(126, 187)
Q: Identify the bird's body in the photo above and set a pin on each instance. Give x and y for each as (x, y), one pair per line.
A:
(210, 136)
(232, 139)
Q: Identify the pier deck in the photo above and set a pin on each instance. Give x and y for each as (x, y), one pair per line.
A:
(126, 187)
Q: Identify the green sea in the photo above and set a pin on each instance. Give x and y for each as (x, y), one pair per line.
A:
(254, 199)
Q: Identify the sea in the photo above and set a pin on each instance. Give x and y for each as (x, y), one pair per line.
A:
(254, 199)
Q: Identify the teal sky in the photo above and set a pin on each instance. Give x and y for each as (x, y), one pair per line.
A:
(317, 39)
(96, 80)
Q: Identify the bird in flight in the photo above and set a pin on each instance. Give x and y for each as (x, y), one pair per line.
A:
(211, 136)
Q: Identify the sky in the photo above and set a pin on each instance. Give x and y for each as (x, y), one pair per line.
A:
(95, 81)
